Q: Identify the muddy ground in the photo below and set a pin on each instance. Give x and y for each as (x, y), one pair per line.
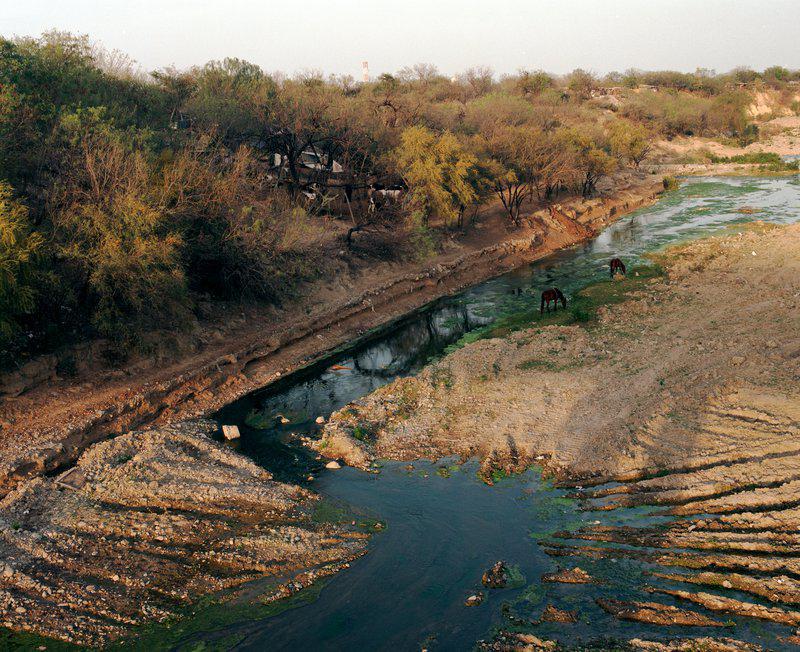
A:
(685, 397)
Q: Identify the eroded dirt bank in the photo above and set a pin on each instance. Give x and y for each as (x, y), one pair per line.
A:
(154, 521)
(686, 397)
(50, 425)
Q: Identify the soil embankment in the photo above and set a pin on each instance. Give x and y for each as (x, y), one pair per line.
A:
(50, 425)
(686, 397)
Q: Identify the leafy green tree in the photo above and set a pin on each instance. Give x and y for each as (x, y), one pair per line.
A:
(19, 246)
(581, 83)
(630, 142)
(438, 171)
(591, 158)
(533, 82)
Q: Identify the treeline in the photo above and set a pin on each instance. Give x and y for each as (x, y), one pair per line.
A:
(125, 198)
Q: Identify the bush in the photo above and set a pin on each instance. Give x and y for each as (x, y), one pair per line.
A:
(671, 183)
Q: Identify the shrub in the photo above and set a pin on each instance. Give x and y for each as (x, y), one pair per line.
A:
(671, 183)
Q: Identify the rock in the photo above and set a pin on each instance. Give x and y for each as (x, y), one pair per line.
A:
(230, 432)
(333, 464)
(320, 420)
(552, 614)
(474, 600)
(569, 576)
(496, 577)
(737, 360)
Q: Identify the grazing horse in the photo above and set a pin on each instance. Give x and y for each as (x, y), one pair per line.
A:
(555, 295)
(617, 265)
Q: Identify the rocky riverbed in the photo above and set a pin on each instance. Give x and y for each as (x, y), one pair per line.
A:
(146, 524)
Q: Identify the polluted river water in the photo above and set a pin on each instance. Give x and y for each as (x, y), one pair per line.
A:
(443, 526)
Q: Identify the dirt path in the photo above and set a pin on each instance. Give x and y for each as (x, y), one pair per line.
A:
(49, 426)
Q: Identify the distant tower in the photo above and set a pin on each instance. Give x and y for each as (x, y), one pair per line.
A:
(365, 70)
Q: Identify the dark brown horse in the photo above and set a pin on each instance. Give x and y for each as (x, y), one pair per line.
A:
(617, 266)
(555, 295)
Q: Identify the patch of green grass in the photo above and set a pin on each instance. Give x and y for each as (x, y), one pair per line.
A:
(206, 617)
(327, 511)
(447, 471)
(549, 364)
(363, 433)
(581, 309)
(19, 641)
(442, 376)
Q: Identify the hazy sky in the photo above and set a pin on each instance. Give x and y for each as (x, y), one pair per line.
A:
(336, 35)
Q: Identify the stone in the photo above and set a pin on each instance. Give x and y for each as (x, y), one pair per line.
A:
(568, 576)
(474, 600)
(496, 577)
(553, 614)
(333, 464)
(230, 432)
(737, 360)
(320, 420)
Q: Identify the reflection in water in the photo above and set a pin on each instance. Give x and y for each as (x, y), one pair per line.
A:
(441, 535)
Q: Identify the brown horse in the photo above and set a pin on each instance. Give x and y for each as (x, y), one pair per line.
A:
(555, 295)
(617, 266)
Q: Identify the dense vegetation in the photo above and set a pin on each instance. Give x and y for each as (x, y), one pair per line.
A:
(126, 199)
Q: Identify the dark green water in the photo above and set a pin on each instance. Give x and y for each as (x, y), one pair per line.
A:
(443, 532)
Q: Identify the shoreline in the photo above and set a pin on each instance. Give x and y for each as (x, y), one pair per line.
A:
(228, 372)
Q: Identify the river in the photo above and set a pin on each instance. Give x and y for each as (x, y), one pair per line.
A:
(444, 526)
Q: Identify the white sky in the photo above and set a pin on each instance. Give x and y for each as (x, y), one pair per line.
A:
(336, 35)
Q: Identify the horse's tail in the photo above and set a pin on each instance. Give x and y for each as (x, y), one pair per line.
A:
(541, 308)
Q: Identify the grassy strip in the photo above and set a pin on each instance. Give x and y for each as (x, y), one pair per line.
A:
(210, 615)
(769, 161)
(581, 309)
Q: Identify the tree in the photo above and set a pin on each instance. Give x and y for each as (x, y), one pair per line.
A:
(629, 141)
(109, 227)
(438, 172)
(533, 82)
(524, 162)
(18, 249)
(591, 160)
(581, 83)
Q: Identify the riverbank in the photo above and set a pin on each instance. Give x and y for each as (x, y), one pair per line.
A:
(684, 398)
(147, 524)
(573, 394)
(48, 426)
